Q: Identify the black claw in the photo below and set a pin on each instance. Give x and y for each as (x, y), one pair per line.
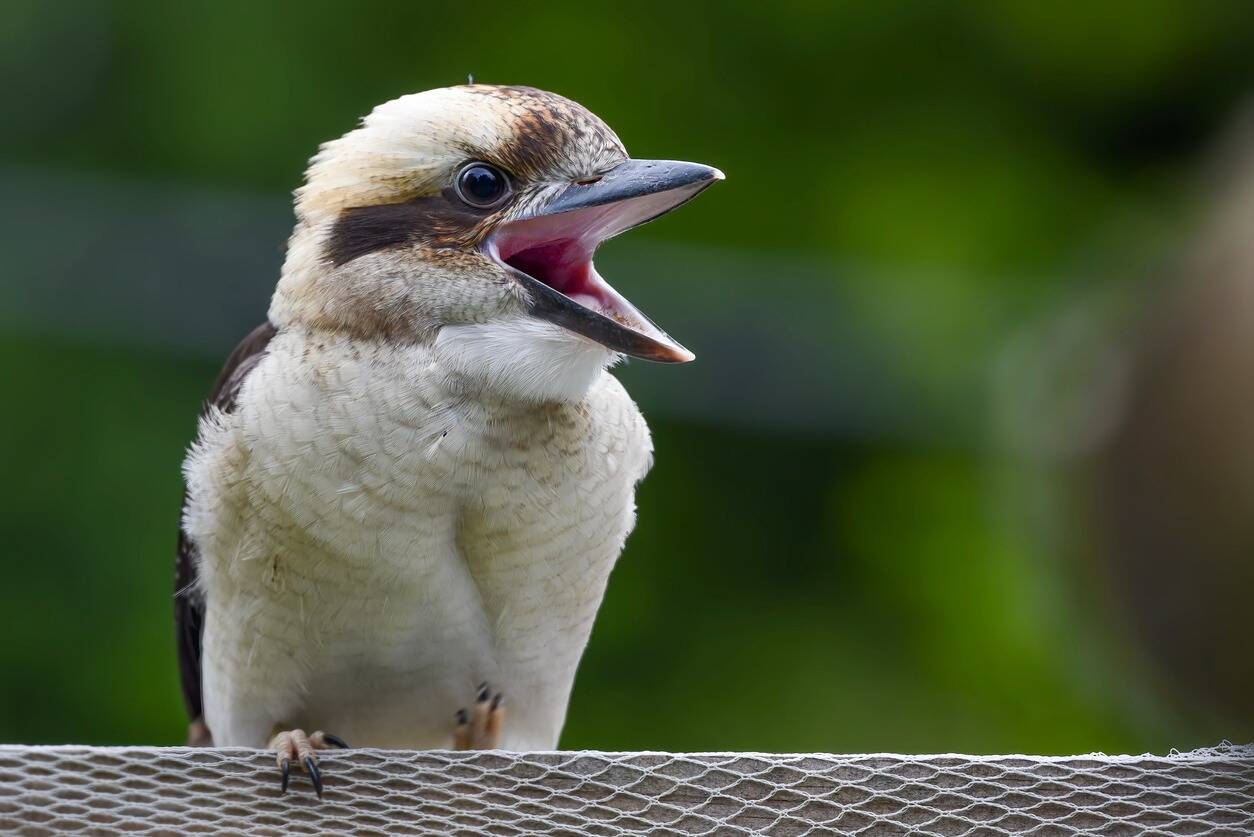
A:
(285, 775)
(311, 767)
(335, 741)
(461, 717)
(483, 692)
(496, 701)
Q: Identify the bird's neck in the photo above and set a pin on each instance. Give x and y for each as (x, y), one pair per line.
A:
(524, 360)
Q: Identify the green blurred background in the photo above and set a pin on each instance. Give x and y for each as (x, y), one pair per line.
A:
(909, 498)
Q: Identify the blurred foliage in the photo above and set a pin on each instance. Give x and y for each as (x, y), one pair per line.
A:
(981, 161)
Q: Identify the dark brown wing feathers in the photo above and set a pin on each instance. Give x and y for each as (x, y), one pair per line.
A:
(189, 609)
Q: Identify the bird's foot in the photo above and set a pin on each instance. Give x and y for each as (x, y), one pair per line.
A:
(480, 727)
(294, 745)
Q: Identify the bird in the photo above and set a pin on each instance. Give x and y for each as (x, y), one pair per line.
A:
(410, 483)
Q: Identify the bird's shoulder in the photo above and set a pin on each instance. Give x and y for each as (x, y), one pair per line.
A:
(607, 393)
(242, 360)
(616, 415)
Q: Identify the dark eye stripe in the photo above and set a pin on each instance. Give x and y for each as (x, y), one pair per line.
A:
(435, 220)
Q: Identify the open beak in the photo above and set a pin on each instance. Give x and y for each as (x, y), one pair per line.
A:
(550, 252)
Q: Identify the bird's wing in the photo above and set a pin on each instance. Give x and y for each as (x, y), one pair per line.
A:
(189, 607)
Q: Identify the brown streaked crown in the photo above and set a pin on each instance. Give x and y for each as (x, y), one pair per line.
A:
(551, 136)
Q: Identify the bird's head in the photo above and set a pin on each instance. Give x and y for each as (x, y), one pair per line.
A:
(466, 219)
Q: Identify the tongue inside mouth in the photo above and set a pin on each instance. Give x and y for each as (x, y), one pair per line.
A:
(549, 252)
(556, 251)
(565, 266)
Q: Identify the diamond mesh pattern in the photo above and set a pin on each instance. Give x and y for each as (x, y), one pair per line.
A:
(145, 790)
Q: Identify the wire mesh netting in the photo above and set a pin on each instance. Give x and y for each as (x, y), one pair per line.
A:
(146, 790)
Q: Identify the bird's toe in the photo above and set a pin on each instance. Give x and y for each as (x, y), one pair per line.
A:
(332, 740)
(294, 745)
(315, 775)
(480, 727)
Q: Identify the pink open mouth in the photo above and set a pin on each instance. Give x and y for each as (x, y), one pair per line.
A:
(556, 250)
(565, 265)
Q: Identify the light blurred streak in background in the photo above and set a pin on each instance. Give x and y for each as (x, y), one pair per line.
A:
(965, 463)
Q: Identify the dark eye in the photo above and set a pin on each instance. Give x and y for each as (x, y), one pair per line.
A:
(481, 185)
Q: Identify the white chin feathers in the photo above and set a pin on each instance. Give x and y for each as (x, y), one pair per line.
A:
(524, 358)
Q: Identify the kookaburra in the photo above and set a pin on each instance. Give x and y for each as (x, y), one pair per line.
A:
(413, 480)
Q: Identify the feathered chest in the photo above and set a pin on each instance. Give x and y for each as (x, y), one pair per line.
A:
(373, 456)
